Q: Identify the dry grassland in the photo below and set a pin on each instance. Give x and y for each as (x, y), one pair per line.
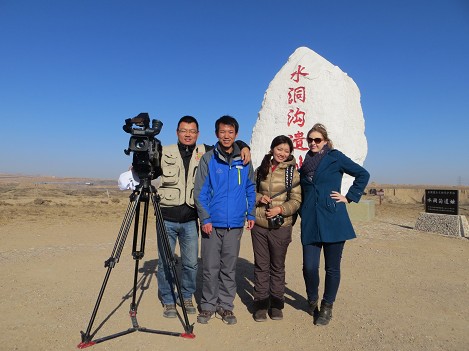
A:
(401, 289)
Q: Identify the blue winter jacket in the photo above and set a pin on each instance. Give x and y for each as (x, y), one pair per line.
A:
(224, 189)
(322, 218)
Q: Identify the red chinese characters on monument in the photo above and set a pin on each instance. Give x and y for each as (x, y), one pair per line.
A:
(296, 94)
(299, 163)
(295, 116)
(295, 76)
(299, 141)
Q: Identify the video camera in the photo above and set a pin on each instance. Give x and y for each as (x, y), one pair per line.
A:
(146, 148)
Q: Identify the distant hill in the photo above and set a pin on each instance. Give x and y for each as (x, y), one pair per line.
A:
(41, 179)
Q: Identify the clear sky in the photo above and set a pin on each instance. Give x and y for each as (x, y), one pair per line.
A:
(71, 72)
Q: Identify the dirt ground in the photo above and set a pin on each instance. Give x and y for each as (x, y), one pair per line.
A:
(401, 289)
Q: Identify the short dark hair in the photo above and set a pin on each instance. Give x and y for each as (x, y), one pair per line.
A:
(188, 119)
(228, 120)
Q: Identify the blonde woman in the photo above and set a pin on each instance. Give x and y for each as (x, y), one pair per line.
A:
(325, 224)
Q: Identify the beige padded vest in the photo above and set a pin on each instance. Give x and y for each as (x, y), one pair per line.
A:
(173, 189)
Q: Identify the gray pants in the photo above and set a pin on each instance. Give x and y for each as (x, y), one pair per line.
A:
(220, 252)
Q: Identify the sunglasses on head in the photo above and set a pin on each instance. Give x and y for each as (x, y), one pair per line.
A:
(316, 140)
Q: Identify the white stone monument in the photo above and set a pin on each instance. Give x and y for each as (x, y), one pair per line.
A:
(308, 90)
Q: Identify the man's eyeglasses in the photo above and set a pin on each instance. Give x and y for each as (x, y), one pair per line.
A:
(190, 131)
(316, 140)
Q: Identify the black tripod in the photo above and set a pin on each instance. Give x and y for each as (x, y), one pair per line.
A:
(142, 193)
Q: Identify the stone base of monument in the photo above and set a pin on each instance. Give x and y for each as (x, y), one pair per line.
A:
(452, 225)
(364, 210)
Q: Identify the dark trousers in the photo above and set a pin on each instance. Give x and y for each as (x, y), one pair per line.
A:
(270, 250)
(332, 258)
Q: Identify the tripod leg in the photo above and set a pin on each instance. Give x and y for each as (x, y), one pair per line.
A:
(138, 254)
(169, 257)
(132, 208)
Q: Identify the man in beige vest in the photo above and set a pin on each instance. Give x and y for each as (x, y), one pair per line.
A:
(179, 163)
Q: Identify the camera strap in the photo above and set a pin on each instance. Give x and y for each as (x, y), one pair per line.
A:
(286, 189)
(289, 179)
(288, 182)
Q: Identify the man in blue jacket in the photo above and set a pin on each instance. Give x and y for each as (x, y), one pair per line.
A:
(225, 196)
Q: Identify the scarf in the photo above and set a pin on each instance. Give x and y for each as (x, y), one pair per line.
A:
(312, 161)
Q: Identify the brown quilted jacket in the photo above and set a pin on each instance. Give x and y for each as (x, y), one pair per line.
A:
(274, 183)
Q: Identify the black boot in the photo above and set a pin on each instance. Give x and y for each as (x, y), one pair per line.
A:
(312, 307)
(325, 314)
(276, 307)
(261, 306)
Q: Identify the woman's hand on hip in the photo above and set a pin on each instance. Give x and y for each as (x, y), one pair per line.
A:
(338, 197)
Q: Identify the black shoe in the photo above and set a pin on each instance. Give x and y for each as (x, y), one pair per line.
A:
(276, 314)
(260, 315)
(325, 314)
(261, 306)
(276, 305)
(312, 307)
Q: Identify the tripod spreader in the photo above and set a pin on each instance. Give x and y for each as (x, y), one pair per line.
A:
(138, 255)
(110, 262)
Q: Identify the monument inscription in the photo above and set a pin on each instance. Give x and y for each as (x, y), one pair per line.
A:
(441, 201)
(308, 89)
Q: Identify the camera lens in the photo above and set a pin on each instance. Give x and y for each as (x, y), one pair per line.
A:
(140, 144)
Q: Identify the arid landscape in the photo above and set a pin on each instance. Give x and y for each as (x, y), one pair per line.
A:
(401, 289)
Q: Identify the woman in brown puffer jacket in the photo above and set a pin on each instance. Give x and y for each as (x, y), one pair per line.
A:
(270, 240)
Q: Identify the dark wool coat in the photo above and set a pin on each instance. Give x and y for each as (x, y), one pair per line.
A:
(322, 218)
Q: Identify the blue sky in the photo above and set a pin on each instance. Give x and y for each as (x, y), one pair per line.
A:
(72, 72)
